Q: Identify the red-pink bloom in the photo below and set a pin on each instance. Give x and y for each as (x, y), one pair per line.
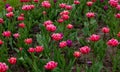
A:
(46, 4)
(10, 14)
(85, 50)
(117, 15)
(22, 14)
(68, 7)
(62, 44)
(94, 37)
(118, 7)
(21, 25)
(69, 26)
(56, 36)
(24, 0)
(62, 5)
(31, 50)
(36, 1)
(10, 9)
(60, 20)
(113, 3)
(32, 6)
(93, 0)
(51, 65)
(105, 30)
(1, 21)
(118, 34)
(12, 60)
(3, 67)
(1, 42)
(28, 40)
(48, 22)
(65, 12)
(76, 54)
(113, 42)
(89, 3)
(90, 14)
(20, 18)
(44, 12)
(20, 49)
(76, 2)
(51, 28)
(6, 33)
(16, 35)
(28, 7)
(39, 49)
(65, 17)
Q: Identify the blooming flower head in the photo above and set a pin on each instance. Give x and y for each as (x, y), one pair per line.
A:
(65, 17)
(56, 36)
(10, 14)
(62, 5)
(105, 7)
(113, 42)
(76, 54)
(84, 50)
(105, 30)
(22, 14)
(39, 49)
(76, 2)
(68, 7)
(44, 12)
(9, 9)
(69, 26)
(28, 7)
(12, 60)
(69, 43)
(1, 42)
(62, 34)
(118, 7)
(20, 18)
(90, 14)
(20, 49)
(21, 25)
(36, 1)
(62, 44)
(55, 1)
(6, 33)
(48, 22)
(7, 5)
(60, 20)
(31, 50)
(3, 67)
(46, 4)
(89, 3)
(28, 40)
(51, 65)
(16, 35)
(24, 0)
(101, 1)
(1, 21)
(118, 34)
(51, 28)
(117, 15)
(94, 37)
(93, 0)
(65, 12)
(113, 3)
